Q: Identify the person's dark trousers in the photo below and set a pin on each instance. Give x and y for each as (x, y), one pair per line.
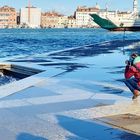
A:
(132, 84)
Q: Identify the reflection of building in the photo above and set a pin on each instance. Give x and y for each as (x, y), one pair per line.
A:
(7, 17)
(83, 18)
(30, 16)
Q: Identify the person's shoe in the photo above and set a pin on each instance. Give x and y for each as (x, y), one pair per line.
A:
(134, 97)
(136, 94)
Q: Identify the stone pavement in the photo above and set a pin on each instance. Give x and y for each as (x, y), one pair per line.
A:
(54, 109)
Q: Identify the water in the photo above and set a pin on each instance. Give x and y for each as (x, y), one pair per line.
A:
(102, 63)
(31, 42)
(6, 79)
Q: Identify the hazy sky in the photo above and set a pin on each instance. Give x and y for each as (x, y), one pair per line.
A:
(67, 7)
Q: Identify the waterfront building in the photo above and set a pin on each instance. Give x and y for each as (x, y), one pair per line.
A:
(114, 14)
(117, 15)
(50, 19)
(104, 13)
(71, 22)
(55, 20)
(30, 16)
(83, 18)
(8, 18)
(124, 15)
(63, 22)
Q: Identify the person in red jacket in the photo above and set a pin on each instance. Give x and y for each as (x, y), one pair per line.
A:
(132, 74)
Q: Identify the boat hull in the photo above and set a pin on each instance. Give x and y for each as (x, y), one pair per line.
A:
(134, 29)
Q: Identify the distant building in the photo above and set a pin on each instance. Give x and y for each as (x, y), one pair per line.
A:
(83, 18)
(63, 22)
(114, 15)
(124, 15)
(8, 18)
(104, 13)
(50, 19)
(71, 22)
(31, 17)
(56, 20)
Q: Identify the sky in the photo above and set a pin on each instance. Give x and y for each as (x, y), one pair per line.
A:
(67, 7)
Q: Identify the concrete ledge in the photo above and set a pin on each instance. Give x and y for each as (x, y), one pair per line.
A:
(18, 71)
(25, 76)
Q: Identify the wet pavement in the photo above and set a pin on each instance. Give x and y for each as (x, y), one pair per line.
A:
(80, 96)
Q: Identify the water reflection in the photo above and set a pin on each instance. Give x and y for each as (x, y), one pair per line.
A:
(97, 49)
(27, 136)
(92, 131)
(104, 62)
(117, 72)
(6, 79)
(67, 66)
(110, 90)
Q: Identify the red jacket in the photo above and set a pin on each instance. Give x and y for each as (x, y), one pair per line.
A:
(132, 71)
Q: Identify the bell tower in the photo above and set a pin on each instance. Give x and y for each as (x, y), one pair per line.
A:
(29, 11)
(135, 6)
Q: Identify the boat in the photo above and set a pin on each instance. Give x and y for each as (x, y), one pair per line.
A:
(131, 22)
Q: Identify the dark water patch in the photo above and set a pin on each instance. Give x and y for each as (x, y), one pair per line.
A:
(116, 67)
(117, 72)
(6, 79)
(120, 80)
(93, 50)
(27, 136)
(110, 90)
(66, 66)
(81, 52)
(62, 58)
(58, 64)
(30, 60)
(92, 130)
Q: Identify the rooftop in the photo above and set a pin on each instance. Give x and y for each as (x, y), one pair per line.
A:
(7, 8)
(87, 9)
(52, 13)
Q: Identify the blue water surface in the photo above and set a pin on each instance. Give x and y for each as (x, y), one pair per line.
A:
(38, 41)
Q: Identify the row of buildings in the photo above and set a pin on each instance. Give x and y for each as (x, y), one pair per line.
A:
(33, 17)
